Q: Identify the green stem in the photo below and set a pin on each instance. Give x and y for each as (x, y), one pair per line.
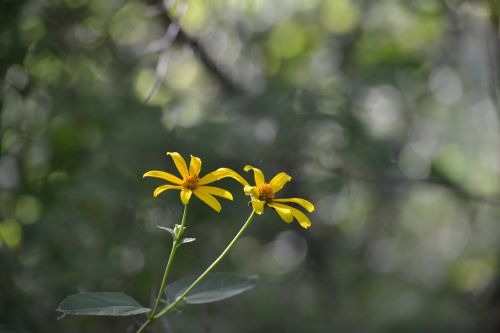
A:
(144, 325)
(175, 245)
(208, 270)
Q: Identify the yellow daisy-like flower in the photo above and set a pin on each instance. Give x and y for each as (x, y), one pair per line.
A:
(263, 195)
(192, 183)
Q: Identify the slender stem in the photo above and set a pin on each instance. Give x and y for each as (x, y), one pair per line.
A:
(175, 245)
(208, 270)
(144, 325)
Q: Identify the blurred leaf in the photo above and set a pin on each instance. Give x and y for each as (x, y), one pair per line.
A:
(187, 240)
(101, 304)
(10, 233)
(171, 231)
(215, 287)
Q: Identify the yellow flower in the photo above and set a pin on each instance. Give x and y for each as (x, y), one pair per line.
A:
(192, 183)
(263, 195)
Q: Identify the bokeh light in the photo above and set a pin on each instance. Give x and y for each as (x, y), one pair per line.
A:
(385, 113)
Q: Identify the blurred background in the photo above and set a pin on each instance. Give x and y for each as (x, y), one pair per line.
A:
(386, 114)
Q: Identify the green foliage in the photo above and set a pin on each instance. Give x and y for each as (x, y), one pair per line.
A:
(215, 287)
(101, 304)
(384, 112)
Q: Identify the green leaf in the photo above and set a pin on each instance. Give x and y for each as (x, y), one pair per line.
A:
(214, 287)
(101, 304)
(187, 240)
(172, 232)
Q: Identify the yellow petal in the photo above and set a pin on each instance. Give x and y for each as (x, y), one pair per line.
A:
(258, 175)
(185, 196)
(180, 163)
(208, 199)
(215, 191)
(163, 175)
(219, 174)
(163, 188)
(251, 190)
(226, 172)
(301, 217)
(297, 214)
(303, 202)
(208, 178)
(194, 166)
(258, 206)
(279, 181)
(284, 213)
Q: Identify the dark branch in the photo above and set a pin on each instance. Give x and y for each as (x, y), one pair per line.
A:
(202, 54)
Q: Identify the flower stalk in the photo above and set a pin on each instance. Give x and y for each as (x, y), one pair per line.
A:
(208, 270)
(178, 231)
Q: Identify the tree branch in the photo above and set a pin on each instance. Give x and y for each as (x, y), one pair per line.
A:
(210, 64)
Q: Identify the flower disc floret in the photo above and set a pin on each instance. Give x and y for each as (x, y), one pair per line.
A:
(266, 192)
(190, 182)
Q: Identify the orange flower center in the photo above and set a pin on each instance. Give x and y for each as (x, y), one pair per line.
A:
(190, 182)
(266, 192)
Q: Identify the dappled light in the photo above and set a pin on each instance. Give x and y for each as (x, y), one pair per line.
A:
(384, 114)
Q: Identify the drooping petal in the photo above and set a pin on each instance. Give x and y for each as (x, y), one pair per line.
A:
(194, 166)
(208, 199)
(251, 190)
(297, 214)
(284, 213)
(185, 196)
(258, 174)
(215, 191)
(219, 174)
(258, 206)
(226, 172)
(180, 163)
(208, 178)
(163, 175)
(279, 181)
(303, 202)
(301, 218)
(163, 188)
(222, 173)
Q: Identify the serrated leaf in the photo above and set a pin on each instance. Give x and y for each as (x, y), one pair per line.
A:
(187, 240)
(215, 287)
(172, 232)
(101, 304)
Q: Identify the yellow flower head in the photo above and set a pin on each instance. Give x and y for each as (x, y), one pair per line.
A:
(191, 182)
(263, 195)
